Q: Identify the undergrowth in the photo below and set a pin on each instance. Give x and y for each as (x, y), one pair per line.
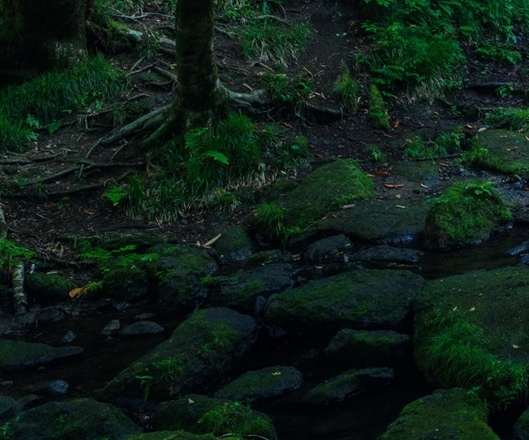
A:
(417, 43)
(44, 101)
(452, 349)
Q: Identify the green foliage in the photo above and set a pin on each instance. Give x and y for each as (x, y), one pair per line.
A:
(502, 53)
(115, 195)
(234, 418)
(269, 217)
(162, 374)
(45, 100)
(378, 110)
(292, 154)
(10, 253)
(288, 90)
(513, 118)
(375, 153)
(211, 162)
(444, 144)
(465, 210)
(347, 89)
(415, 41)
(453, 350)
(265, 40)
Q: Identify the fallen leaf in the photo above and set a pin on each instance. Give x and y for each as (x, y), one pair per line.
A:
(423, 185)
(190, 401)
(443, 164)
(482, 129)
(400, 206)
(276, 373)
(397, 196)
(77, 292)
(515, 346)
(348, 206)
(471, 309)
(382, 174)
(397, 185)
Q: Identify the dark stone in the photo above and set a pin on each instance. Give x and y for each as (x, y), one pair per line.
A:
(330, 249)
(141, 328)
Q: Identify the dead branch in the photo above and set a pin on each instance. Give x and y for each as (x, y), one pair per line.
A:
(3, 224)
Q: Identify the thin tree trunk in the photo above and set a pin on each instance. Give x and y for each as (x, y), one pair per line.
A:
(19, 294)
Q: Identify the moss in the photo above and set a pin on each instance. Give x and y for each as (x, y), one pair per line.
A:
(464, 213)
(48, 289)
(378, 110)
(445, 414)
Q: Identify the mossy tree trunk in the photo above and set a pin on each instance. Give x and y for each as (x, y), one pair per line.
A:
(201, 97)
(44, 34)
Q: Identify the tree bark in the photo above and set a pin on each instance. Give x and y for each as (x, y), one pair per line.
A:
(46, 34)
(201, 97)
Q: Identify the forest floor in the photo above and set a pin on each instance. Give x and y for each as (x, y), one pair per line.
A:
(75, 170)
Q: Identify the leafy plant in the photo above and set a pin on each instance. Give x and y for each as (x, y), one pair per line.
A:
(115, 195)
(269, 217)
(375, 153)
(347, 89)
(264, 40)
(10, 253)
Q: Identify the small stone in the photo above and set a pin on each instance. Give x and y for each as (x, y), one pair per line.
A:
(111, 328)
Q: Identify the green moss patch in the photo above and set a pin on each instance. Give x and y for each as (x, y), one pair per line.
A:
(466, 212)
(445, 414)
(472, 332)
(500, 150)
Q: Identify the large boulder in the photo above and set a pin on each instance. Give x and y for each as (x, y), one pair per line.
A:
(472, 331)
(262, 384)
(361, 299)
(70, 420)
(201, 350)
(15, 355)
(200, 415)
(444, 415)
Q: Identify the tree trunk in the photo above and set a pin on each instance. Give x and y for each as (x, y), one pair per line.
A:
(201, 97)
(46, 34)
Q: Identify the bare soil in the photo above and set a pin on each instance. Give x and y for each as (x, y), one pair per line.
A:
(75, 205)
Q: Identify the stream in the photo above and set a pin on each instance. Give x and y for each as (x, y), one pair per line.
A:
(362, 417)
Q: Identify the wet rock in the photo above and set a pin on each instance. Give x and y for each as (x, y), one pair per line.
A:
(16, 355)
(330, 249)
(9, 408)
(520, 249)
(125, 284)
(52, 388)
(141, 242)
(521, 427)
(234, 244)
(141, 328)
(351, 382)
(241, 290)
(111, 328)
(364, 299)
(181, 270)
(388, 253)
(201, 350)
(380, 221)
(361, 348)
(185, 412)
(261, 384)
(50, 314)
(172, 435)
(476, 325)
(48, 289)
(444, 415)
(69, 336)
(71, 420)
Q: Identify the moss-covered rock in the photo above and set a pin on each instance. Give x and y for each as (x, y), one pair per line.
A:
(234, 244)
(323, 191)
(70, 420)
(339, 388)
(521, 427)
(200, 414)
(241, 290)
(381, 221)
(500, 150)
(196, 356)
(48, 289)
(261, 384)
(472, 332)
(362, 348)
(465, 213)
(180, 270)
(173, 435)
(378, 109)
(9, 408)
(425, 172)
(362, 299)
(330, 249)
(15, 355)
(444, 415)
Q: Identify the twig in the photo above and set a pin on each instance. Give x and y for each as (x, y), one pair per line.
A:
(3, 224)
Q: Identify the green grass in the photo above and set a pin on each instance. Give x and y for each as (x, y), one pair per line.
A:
(47, 99)
(268, 41)
(347, 89)
(198, 174)
(442, 145)
(453, 350)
